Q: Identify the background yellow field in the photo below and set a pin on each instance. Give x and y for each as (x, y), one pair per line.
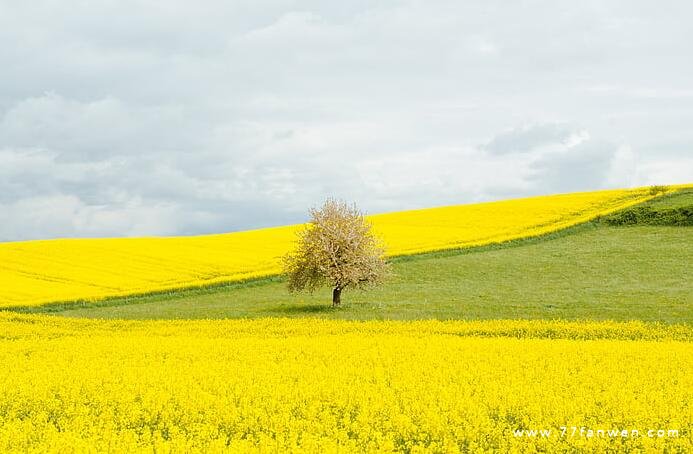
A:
(39, 272)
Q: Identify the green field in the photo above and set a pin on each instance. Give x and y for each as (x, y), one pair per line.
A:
(596, 271)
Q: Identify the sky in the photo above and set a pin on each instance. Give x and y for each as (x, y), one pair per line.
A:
(138, 118)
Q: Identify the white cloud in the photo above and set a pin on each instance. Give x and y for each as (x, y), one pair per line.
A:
(624, 169)
(667, 171)
(132, 117)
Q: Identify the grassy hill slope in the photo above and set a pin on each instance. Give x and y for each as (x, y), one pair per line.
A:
(601, 270)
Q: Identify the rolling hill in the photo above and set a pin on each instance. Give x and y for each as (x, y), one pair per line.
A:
(601, 270)
(34, 273)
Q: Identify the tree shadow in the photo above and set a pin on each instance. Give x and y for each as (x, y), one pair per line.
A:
(303, 309)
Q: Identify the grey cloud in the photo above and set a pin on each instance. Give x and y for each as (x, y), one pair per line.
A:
(531, 137)
(129, 118)
(92, 130)
(584, 166)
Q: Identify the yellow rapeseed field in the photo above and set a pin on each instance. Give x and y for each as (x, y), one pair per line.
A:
(308, 385)
(39, 272)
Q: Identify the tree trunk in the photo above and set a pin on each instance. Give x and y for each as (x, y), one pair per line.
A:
(336, 296)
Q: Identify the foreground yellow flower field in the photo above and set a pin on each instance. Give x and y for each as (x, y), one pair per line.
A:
(39, 272)
(321, 386)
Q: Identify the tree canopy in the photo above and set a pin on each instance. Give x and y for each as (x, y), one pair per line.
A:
(338, 248)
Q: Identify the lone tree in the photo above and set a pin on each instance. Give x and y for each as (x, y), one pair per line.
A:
(337, 247)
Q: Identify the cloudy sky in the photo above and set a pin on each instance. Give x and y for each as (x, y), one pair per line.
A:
(124, 117)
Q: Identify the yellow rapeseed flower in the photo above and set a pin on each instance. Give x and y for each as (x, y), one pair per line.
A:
(310, 385)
